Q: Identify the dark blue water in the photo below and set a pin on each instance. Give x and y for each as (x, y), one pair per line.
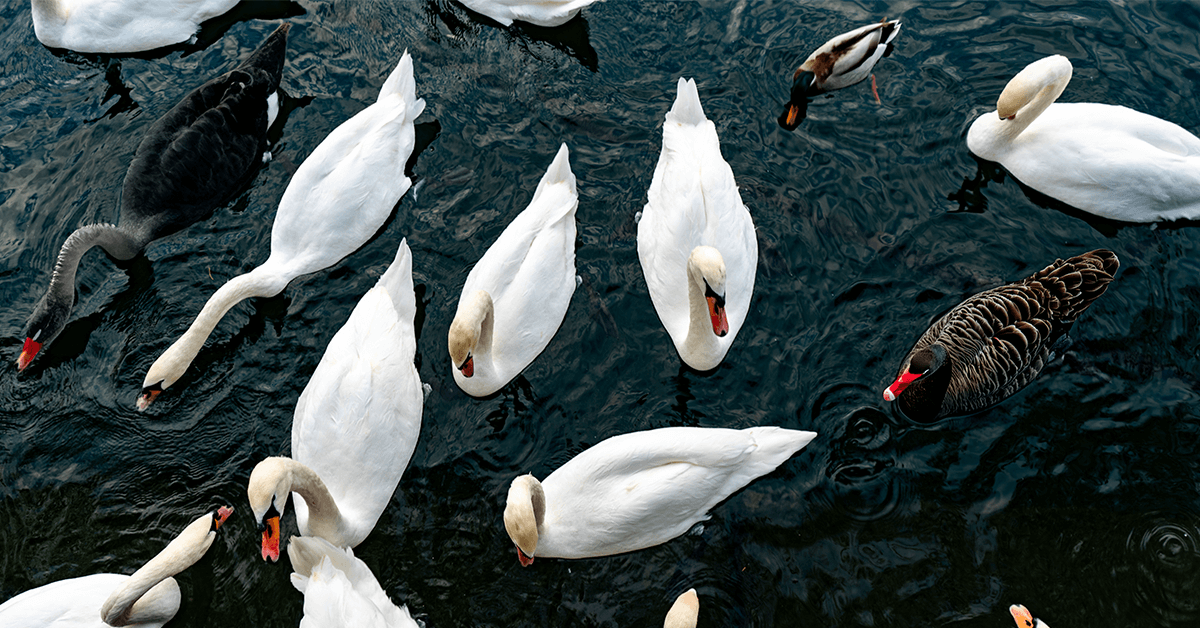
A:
(1078, 497)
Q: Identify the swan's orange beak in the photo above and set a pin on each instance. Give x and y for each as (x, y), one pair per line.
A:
(716, 311)
(1021, 615)
(28, 351)
(525, 560)
(270, 539)
(899, 385)
(222, 514)
(468, 367)
(149, 394)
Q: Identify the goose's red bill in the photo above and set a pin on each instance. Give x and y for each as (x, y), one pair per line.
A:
(28, 351)
(899, 385)
(270, 539)
(716, 312)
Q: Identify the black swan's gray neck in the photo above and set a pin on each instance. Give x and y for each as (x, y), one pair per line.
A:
(112, 239)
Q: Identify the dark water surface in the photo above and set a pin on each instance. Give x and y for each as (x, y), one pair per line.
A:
(1078, 497)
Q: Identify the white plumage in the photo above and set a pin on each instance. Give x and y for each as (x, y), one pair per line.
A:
(527, 277)
(640, 489)
(339, 589)
(1104, 159)
(544, 13)
(693, 201)
(117, 26)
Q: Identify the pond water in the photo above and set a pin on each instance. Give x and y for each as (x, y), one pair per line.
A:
(1077, 497)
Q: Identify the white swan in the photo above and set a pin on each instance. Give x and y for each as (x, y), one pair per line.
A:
(115, 26)
(639, 489)
(356, 423)
(1024, 618)
(339, 589)
(542, 13)
(696, 239)
(839, 62)
(149, 598)
(516, 296)
(337, 200)
(1104, 159)
(684, 612)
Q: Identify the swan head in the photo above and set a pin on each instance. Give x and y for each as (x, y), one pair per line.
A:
(921, 363)
(268, 490)
(1024, 618)
(1052, 72)
(165, 371)
(48, 319)
(523, 516)
(706, 268)
(466, 331)
(684, 612)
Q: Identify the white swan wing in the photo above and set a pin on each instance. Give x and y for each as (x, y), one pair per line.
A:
(644, 488)
(543, 13)
(530, 271)
(71, 603)
(339, 588)
(1108, 160)
(357, 422)
(345, 190)
(117, 26)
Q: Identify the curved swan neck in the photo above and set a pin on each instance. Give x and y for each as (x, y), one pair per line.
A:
(478, 312)
(324, 517)
(111, 238)
(129, 604)
(1031, 92)
(701, 342)
(49, 10)
(171, 365)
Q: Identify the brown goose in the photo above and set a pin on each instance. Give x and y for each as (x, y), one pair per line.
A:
(839, 62)
(994, 343)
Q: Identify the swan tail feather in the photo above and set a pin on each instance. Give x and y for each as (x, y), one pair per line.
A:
(397, 281)
(402, 83)
(687, 108)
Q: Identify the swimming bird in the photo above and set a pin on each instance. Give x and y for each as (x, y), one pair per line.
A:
(339, 589)
(684, 612)
(117, 26)
(695, 238)
(994, 343)
(839, 62)
(339, 197)
(639, 489)
(355, 426)
(1024, 618)
(516, 296)
(541, 13)
(148, 599)
(195, 158)
(1106, 160)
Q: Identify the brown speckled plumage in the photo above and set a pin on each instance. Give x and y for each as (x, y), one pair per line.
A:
(998, 341)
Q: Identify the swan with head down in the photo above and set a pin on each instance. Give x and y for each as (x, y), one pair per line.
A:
(1106, 160)
(147, 599)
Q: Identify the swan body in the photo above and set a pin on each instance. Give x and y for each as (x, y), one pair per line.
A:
(147, 599)
(1107, 160)
(339, 589)
(117, 26)
(516, 296)
(339, 197)
(1024, 618)
(839, 62)
(196, 157)
(684, 612)
(356, 423)
(994, 343)
(702, 298)
(639, 489)
(543, 13)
